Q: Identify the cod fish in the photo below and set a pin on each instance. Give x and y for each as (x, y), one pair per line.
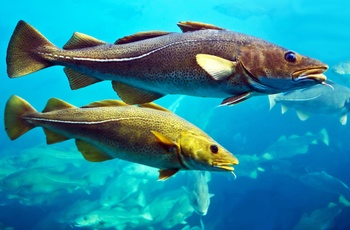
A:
(342, 68)
(103, 130)
(204, 60)
(198, 191)
(332, 98)
(323, 218)
(322, 181)
(290, 146)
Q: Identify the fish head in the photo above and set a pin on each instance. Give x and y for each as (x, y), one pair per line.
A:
(91, 219)
(272, 69)
(200, 152)
(200, 203)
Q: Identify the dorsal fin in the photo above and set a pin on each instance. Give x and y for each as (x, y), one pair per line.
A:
(79, 80)
(79, 41)
(57, 104)
(193, 26)
(154, 106)
(132, 95)
(140, 36)
(105, 103)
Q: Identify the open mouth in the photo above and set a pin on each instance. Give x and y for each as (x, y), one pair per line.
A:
(315, 74)
(224, 166)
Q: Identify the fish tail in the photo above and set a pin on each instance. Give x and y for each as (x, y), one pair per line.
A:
(23, 55)
(16, 108)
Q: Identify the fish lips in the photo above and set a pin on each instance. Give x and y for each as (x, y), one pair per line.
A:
(310, 74)
(224, 166)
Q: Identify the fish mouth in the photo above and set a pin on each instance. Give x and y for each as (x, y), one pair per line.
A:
(315, 74)
(224, 166)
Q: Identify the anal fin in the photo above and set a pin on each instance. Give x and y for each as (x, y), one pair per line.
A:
(79, 80)
(53, 137)
(284, 109)
(90, 152)
(343, 119)
(132, 95)
(303, 116)
(166, 173)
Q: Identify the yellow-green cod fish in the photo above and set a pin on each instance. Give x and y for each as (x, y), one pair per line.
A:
(147, 134)
(204, 60)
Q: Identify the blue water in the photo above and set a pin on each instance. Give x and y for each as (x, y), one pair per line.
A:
(272, 200)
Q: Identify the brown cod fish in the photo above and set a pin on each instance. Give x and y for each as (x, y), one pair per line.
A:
(147, 134)
(204, 60)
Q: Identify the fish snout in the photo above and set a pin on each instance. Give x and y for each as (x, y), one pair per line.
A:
(201, 212)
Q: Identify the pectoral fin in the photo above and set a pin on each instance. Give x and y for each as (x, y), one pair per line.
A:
(169, 145)
(166, 173)
(218, 68)
(90, 152)
(132, 95)
(79, 80)
(236, 99)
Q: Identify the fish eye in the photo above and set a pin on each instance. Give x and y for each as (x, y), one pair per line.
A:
(290, 56)
(214, 149)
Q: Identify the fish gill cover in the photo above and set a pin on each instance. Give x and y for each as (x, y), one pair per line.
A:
(292, 174)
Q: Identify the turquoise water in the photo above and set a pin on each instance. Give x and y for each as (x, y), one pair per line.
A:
(54, 192)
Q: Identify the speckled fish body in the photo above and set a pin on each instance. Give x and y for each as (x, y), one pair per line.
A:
(111, 129)
(204, 60)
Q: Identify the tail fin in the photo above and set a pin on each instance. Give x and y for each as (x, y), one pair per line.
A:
(15, 109)
(22, 57)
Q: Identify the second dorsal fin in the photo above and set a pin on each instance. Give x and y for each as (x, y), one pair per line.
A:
(80, 40)
(140, 36)
(153, 106)
(105, 103)
(193, 26)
